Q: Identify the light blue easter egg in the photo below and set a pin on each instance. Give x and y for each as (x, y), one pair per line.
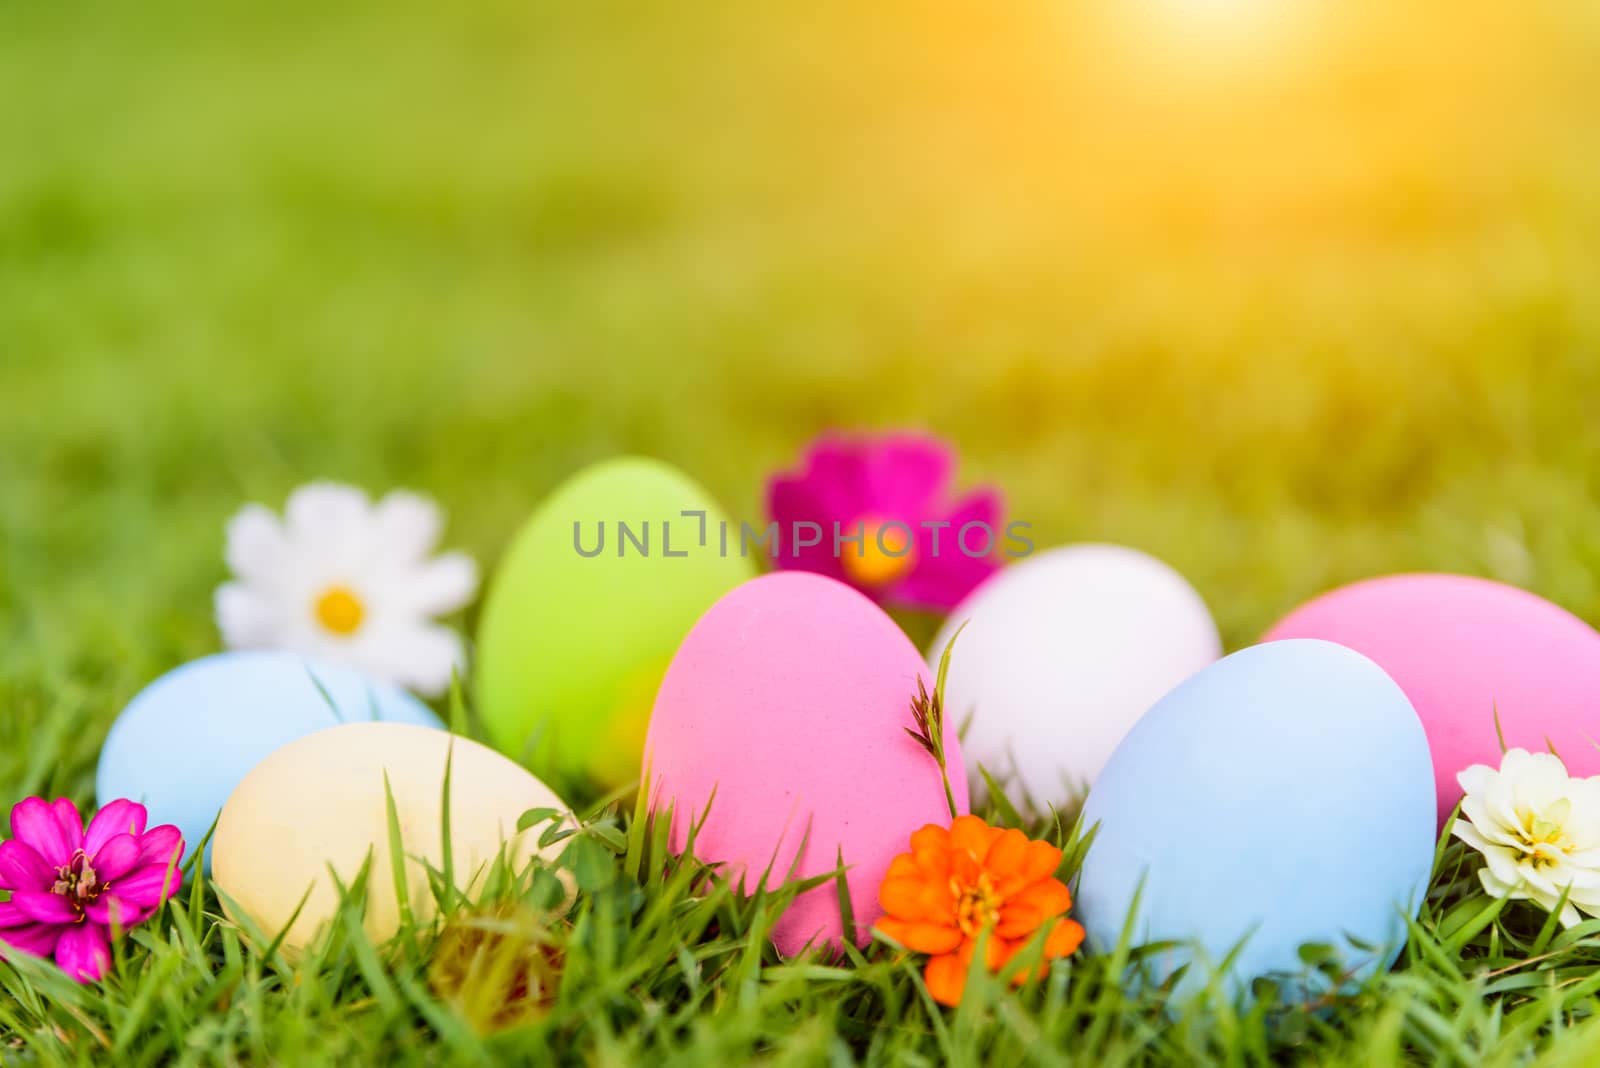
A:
(184, 743)
(1281, 797)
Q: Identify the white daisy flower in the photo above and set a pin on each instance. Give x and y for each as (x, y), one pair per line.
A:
(1538, 830)
(348, 581)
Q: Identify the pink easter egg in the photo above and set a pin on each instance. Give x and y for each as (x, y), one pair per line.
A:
(790, 699)
(1464, 650)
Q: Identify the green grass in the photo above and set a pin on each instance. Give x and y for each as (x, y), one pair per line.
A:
(1284, 322)
(653, 958)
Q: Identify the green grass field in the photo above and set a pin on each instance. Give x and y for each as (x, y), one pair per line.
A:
(1283, 313)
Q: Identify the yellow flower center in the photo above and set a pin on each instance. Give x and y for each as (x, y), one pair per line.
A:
(340, 610)
(885, 553)
(77, 882)
(977, 905)
(1544, 834)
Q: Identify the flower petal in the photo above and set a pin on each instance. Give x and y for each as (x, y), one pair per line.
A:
(946, 570)
(1542, 780)
(1018, 921)
(906, 473)
(11, 916)
(946, 977)
(902, 897)
(42, 906)
(791, 500)
(406, 527)
(969, 834)
(71, 823)
(1473, 836)
(246, 619)
(116, 913)
(1484, 823)
(161, 845)
(318, 510)
(36, 939)
(1049, 896)
(834, 472)
(257, 547)
(22, 868)
(999, 950)
(420, 658)
(441, 586)
(930, 836)
(148, 886)
(921, 937)
(1495, 887)
(120, 817)
(903, 866)
(331, 525)
(84, 952)
(1063, 940)
(965, 869)
(1005, 856)
(933, 864)
(792, 503)
(1476, 778)
(1040, 861)
(116, 858)
(34, 822)
(939, 905)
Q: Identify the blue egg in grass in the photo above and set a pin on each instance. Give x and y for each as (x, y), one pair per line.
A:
(1281, 797)
(187, 739)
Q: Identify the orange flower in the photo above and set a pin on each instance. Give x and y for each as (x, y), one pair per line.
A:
(957, 883)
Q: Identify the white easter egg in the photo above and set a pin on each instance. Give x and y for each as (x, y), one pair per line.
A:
(1061, 655)
(320, 803)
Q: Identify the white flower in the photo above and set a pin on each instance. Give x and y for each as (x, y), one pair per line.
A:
(1538, 829)
(349, 581)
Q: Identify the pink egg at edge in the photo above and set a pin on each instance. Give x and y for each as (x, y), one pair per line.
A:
(790, 698)
(1464, 650)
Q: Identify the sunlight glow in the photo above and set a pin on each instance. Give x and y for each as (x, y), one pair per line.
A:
(1219, 15)
(1226, 25)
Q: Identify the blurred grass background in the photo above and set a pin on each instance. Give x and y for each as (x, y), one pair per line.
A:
(1286, 293)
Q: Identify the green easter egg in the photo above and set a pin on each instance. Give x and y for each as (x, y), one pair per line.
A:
(595, 594)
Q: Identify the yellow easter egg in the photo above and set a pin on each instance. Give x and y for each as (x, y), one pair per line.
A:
(319, 803)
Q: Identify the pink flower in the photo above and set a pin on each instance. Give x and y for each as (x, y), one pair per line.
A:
(71, 887)
(874, 512)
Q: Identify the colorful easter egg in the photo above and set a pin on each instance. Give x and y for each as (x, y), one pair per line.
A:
(321, 803)
(183, 744)
(596, 592)
(1466, 650)
(1281, 797)
(1061, 654)
(790, 699)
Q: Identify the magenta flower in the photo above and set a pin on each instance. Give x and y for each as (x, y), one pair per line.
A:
(875, 512)
(72, 888)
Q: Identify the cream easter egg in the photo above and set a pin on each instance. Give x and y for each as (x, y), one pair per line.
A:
(1061, 654)
(595, 593)
(790, 699)
(320, 803)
